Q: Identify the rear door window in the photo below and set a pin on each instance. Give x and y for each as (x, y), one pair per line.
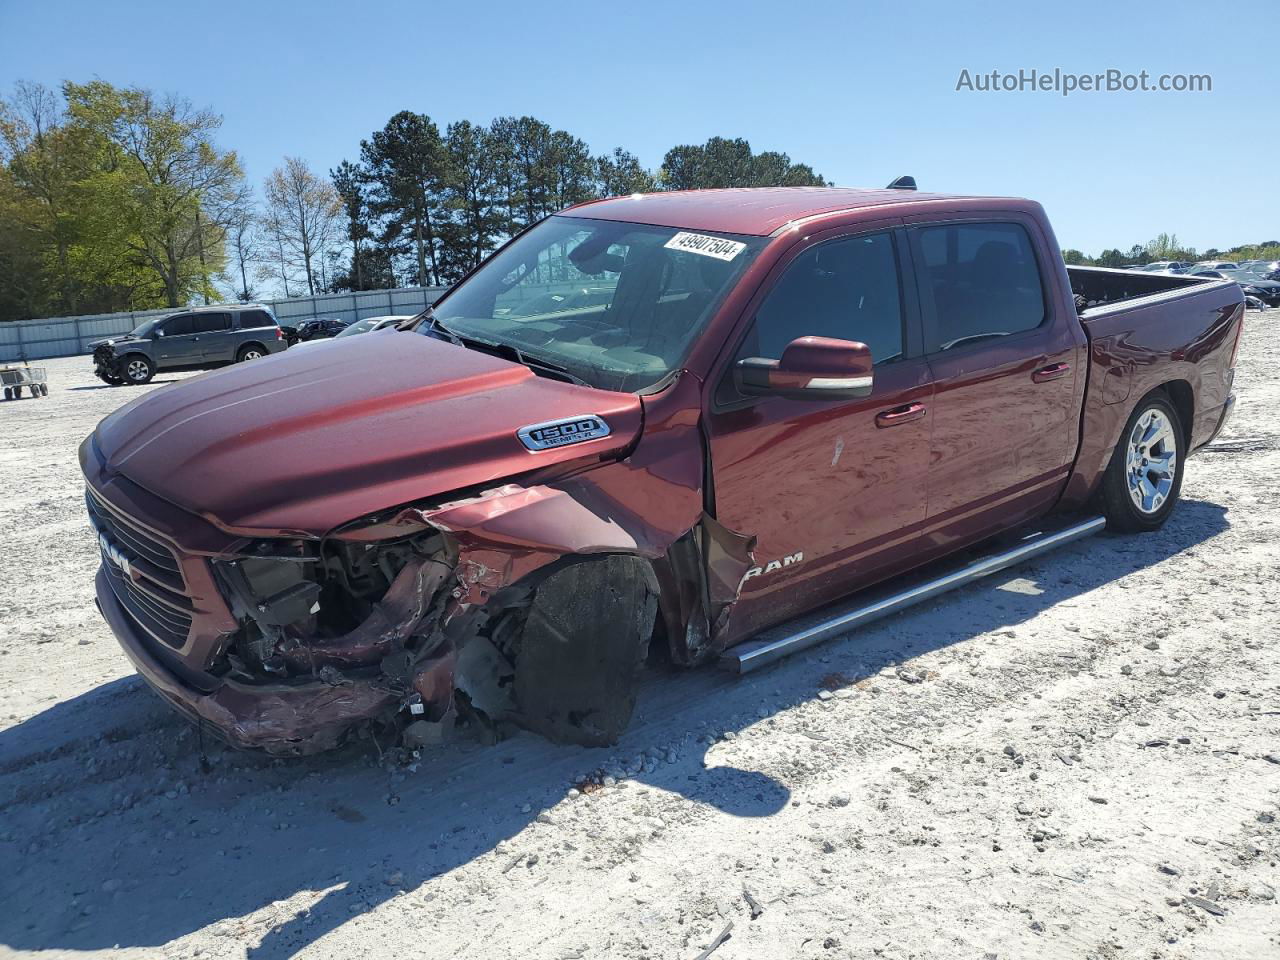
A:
(210, 322)
(256, 318)
(978, 281)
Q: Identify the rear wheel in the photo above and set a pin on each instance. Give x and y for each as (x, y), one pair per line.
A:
(250, 352)
(138, 369)
(1144, 478)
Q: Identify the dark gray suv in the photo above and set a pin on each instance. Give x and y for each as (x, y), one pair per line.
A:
(200, 337)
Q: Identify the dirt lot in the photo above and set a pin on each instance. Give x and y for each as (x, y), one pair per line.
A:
(1078, 759)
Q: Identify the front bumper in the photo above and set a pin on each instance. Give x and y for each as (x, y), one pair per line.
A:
(285, 719)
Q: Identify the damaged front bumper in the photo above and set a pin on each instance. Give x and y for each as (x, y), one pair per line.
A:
(280, 718)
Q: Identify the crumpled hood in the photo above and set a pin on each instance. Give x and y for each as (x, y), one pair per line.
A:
(308, 439)
(119, 338)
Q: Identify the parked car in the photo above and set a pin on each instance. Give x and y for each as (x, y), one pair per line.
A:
(320, 328)
(1268, 291)
(1214, 265)
(1262, 269)
(190, 339)
(370, 324)
(1167, 266)
(792, 396)
(290, 334)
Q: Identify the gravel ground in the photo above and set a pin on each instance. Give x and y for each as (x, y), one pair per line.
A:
(1080, 758)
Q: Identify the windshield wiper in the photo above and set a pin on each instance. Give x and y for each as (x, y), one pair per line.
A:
(538, 363)
(507, 351)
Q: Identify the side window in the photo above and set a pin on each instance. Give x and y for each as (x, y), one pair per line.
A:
(255, 318)
(178, 326)
(983, 281)
(847, 289)
(210, 322)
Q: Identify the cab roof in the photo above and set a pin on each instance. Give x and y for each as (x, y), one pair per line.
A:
(757, 211)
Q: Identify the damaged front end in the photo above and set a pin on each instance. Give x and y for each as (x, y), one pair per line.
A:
(529, 605)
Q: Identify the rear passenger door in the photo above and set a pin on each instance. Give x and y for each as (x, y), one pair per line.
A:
(214, 336)
(1004, 359)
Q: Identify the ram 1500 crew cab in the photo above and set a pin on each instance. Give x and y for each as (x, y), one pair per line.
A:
(773, 399)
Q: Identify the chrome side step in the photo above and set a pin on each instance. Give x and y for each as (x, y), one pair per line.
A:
(778, 642)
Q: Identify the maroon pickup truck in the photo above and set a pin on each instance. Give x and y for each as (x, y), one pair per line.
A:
(685, 424)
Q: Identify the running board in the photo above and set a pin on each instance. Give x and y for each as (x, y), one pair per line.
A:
(774, 644)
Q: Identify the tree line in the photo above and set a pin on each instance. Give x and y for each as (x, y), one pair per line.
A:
(116, 198)
(1166, 247)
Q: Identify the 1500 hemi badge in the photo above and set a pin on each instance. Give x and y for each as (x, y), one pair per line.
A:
(559, 433)
(700, 243)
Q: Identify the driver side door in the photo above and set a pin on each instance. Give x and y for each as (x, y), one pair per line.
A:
(176, 344)
(833, 489)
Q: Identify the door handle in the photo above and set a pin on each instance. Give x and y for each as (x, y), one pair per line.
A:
(903, 414)
(1052, 372)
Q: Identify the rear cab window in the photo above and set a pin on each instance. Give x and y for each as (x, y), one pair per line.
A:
(978, 281)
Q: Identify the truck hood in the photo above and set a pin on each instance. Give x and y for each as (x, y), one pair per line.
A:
(119, 338)
(305, 440)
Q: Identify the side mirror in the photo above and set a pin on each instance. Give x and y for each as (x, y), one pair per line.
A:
(160, 333)
(811, 368)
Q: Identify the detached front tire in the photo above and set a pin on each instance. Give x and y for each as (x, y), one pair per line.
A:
(1144, 478)
(585, 639)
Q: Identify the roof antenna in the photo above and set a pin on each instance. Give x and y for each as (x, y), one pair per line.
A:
(903, 183)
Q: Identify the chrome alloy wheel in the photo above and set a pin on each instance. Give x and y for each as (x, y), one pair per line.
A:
(137, 370)
(1151, 461)
(252, 354)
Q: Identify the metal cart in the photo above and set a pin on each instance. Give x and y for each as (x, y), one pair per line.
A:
(13, 379)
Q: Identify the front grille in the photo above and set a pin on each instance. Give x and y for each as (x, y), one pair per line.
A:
(136, 542)
(160, 614)
(144, 574)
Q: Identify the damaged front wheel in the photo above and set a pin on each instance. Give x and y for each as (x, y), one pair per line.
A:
(585, 638)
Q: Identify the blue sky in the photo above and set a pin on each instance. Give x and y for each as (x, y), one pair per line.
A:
(862, 91)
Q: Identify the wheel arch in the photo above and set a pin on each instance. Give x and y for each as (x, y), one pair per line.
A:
(1182, 396)
(251, 343)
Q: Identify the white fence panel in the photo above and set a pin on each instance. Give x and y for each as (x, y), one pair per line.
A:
(67, 336)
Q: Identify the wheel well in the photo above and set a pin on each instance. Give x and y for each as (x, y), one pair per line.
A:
(245, 346)
(1184, 402)
(135, 353)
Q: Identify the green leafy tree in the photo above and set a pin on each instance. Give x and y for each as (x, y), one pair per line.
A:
(620, 173)
(405, 160)
(351, 183)
(721, 162)
(470, 189)
(172, 189)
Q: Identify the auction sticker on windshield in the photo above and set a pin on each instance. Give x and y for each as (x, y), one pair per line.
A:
(700, 243)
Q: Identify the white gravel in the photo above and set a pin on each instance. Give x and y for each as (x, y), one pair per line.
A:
(1069, 761)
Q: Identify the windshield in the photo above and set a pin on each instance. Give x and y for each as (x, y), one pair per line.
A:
(145, 327)
(616, 305)
(364, 326)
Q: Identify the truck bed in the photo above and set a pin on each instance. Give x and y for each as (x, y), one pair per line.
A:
(1104, 287)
